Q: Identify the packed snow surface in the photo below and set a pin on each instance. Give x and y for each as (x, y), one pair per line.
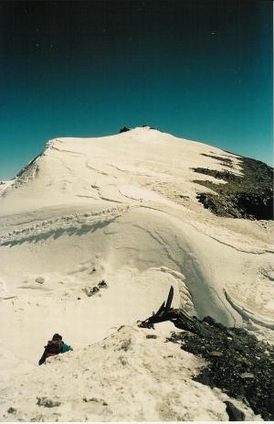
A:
(121, 209)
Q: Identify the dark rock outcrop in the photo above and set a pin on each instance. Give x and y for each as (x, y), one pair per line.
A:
(249, 196)
(237, 363)
(124, 129)
(234, 414)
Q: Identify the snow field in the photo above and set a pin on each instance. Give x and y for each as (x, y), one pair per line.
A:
(121, 209)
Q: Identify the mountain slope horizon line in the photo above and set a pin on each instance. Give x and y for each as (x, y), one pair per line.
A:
(248, 195)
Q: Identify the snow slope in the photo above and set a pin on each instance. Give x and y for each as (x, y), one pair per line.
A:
(121, 209)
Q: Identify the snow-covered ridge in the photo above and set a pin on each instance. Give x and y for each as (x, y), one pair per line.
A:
(142, 155)
(122, 209)
(132, 375)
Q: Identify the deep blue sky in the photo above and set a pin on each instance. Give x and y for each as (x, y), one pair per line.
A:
(197, 69)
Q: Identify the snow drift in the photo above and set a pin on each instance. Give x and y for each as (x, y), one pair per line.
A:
(121, 209)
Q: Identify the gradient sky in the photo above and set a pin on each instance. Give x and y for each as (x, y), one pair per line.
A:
(196, 69)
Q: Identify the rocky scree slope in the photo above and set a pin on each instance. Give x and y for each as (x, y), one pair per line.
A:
(237, 363)
(248, 196)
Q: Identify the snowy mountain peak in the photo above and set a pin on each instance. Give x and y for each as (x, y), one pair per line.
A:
(87, 170)
(93, 233)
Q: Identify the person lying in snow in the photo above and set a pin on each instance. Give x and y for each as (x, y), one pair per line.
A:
(54, 347)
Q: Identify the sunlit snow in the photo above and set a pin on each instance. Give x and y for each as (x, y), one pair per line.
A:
(122, 209)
